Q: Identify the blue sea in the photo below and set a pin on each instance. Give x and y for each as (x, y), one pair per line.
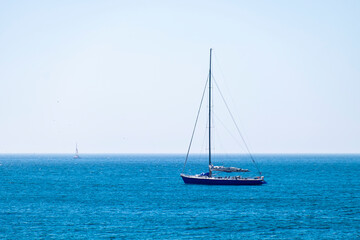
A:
(143, 197)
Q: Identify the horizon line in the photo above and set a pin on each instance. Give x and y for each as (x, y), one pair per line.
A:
(164, 153)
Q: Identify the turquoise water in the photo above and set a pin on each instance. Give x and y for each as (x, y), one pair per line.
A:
(143, 197)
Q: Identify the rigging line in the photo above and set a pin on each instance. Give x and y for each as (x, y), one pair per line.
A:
(203, 148)
(232, 101)
(197, 117)
(223, 76)
(229, 132)
(232, 117)
(220, 143)
(225, 153)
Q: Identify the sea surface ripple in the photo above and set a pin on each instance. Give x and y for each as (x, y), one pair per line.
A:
(143, 197)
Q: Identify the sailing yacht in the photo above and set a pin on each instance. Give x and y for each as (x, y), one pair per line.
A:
(209, 178)
(76, 156)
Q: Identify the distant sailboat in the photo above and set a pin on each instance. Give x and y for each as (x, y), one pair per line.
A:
(76, 156)
(208, 178)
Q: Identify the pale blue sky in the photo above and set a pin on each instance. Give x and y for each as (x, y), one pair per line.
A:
(127, 76)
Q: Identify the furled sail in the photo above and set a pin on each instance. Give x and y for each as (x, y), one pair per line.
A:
(227, 169)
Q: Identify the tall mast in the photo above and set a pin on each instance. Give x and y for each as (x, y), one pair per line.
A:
(210, 115)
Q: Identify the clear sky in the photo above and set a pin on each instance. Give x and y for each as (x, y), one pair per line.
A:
(127, 76)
